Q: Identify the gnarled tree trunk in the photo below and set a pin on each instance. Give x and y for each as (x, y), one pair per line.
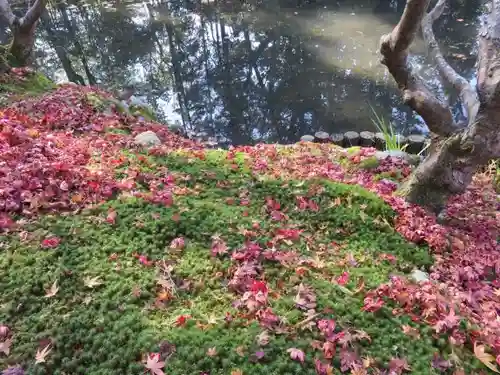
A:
(23, 31)
(457, 149)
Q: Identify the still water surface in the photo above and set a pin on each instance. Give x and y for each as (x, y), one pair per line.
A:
(250, 71)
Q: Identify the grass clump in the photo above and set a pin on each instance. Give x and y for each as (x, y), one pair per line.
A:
(392, 139)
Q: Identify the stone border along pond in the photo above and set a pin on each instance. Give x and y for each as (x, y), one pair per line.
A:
(415, 143)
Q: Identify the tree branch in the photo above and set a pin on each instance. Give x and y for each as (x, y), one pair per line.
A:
(467, 93)
(394, 49)
(488, 80)
(33, 13)
(6, 13)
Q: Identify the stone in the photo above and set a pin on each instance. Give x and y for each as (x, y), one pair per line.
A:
(411, 159)
(321, 137)
(148, 138)
(307, 138)
(419, 276)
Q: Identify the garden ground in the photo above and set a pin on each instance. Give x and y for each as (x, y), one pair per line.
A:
(116, 259)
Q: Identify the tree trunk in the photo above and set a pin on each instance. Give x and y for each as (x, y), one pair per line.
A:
(23, 31)
(448, 169)
(21, 48)
(457, 150)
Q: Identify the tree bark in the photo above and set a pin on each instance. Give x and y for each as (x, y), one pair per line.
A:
(456, 150)
(23, 31)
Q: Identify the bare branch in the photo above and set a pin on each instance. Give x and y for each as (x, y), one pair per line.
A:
(394, 49)
(467, 93)
(33, 13)
(6, 13)
(488, 79)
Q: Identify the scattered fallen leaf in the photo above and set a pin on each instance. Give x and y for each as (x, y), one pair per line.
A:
(263, 338)
(486, 358)
(410, 331)
(440, 363)
(92, 282)
(181, 320)
(51, 242)
(212, 352)
(178, 243)
(111, 217)
(399, 365)
(296, 354)
(154, 365)
(41, 354)
(305, 298)
(5, 346)
(360, 286)
(368, 362)
(52, 291)
(240, 350)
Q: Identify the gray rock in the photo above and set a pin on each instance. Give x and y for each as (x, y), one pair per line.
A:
(419, 276)
(409, 158)
(148, 138)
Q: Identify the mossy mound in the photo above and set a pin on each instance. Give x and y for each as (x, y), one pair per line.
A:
(23, 82)
(129, 277)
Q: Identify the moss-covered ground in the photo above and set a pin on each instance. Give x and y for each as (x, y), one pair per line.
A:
(232, 272)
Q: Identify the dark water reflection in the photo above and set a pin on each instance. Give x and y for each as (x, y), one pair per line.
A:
(249, 71)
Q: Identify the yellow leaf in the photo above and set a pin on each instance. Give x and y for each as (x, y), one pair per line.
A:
(41, 354)
(212, 352)
(52, 291)
(92, 282)
(486, 358)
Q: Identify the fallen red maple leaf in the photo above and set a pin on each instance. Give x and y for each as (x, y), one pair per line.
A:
(51, 242)
(296, 354)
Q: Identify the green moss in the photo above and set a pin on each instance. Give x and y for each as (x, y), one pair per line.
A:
(106, 329)
(143, 111)
(353, 150)
(369, 163)
(32, 84)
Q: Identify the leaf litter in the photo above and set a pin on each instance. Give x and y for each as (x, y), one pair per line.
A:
(459, 299)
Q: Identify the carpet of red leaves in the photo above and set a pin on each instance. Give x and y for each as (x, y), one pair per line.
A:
(57, 152)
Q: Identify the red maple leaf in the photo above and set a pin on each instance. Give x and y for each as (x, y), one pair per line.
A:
(51, 242)
(219, 247)
(343, 279)
(348, 360)
(328, 350)
(258, 286)
(327, 327)
(372, 304)
(181, 320)
(450, 321)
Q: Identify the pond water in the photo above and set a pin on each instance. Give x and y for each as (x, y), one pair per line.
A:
(254, 71)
